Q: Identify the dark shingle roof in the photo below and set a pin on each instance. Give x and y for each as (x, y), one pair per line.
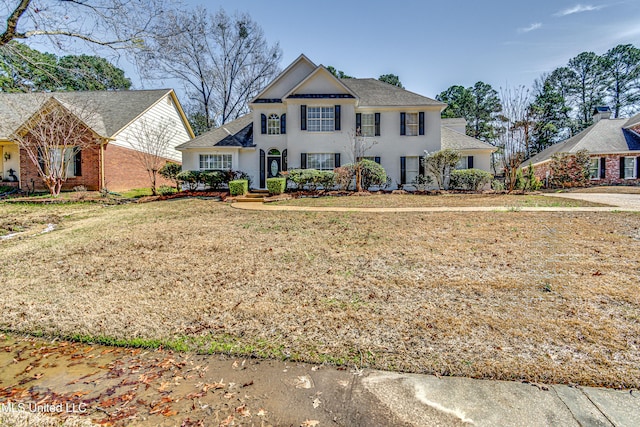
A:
(374, 93)
(113, 110)
(238, 133)
(605, 136)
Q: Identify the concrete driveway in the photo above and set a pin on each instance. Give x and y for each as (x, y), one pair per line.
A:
(627, 201)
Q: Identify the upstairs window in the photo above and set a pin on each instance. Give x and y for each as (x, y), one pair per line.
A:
(273, 125)
(412, 124)
(368, 125)
(320, 119)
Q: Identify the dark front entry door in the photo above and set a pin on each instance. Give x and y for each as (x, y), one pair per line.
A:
(274, 166)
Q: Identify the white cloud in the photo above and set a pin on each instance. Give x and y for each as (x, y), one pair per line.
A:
(579, 8)
(532, 27)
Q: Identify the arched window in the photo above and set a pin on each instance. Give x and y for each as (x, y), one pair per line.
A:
(273, 152)
(273, 125)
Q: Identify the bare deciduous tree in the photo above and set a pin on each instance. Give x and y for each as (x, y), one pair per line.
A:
(116, 24)
(52, 138)
(151, 146)
(515, 130)
(223, 61)
(358, 148)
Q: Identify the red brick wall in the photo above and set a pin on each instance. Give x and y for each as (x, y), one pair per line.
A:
(612, 175)
(90, 172)
(124, 171)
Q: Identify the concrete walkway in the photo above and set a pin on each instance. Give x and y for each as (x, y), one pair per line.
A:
(627, 201)
(618, 202)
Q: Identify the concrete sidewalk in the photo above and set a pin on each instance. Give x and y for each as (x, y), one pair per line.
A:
(422, 400)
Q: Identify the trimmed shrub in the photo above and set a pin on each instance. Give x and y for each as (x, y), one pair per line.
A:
(570, 170)
(170, 171)
(421, 182)
(469, 179)
(214, 179)
(166, 190)
(238, 187)
(276, 185)
(311, 178)
(372, 174)
(343, 176)
(190, 178)
(497, 186)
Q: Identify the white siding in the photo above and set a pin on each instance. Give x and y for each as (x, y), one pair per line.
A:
(294, 76)
(163, 110)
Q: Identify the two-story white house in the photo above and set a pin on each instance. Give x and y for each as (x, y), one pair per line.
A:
(308, 118)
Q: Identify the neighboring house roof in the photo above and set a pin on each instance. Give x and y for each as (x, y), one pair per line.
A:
(459, 141)
(604, 136)
(374, 93)
(238, 133)
(633, 122)
(111, 110)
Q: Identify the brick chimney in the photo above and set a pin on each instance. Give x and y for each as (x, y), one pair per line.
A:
(600, 113)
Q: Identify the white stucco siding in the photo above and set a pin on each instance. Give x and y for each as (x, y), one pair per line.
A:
(164, 110)
(13, 163)
(481, 159)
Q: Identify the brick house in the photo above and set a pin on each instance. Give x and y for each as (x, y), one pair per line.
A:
(111, 161)
(613, 145)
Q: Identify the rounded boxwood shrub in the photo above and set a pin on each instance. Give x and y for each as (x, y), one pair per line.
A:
(276, 185)
(238, 187)
(469, 179)
(166, 190)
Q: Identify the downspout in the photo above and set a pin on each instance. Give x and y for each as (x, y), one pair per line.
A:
(102, 164)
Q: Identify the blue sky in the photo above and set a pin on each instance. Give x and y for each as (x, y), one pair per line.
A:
(433, 45)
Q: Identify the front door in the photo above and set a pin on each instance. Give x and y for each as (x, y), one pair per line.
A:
(274, 166)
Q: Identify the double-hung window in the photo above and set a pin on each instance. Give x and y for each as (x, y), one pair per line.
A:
(412, 168)
(63, 157)
(368, 126)
(321, 161)
(594, 168)
(215, 161)
(320, 119)
(630, 168)
(412, 124)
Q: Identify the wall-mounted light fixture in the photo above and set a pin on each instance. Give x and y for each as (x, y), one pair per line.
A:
(7, 156)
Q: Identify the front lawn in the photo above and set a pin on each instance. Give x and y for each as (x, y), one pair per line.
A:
(544, 297)
(441, 200)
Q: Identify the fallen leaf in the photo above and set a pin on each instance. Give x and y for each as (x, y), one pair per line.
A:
(261, 412)
(227, 421)
(310, 423)
(242, 410)
(316, 403)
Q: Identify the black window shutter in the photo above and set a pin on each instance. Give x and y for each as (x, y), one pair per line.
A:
(358, 123)
(377, 121)
(621, 167)
(284, 160)
(263, 182)
(469, 162)
(638, 167)
(403, 122)
(78, 163)
(336, 117)
(377, 160)
(303, 160)
(263, 124)
(303, 117)
(421, 165)
(283, 124)
(421, 123)
(603, 167)
(403, 169)
(336, 163)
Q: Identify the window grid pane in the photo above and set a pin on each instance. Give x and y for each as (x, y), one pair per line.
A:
(412, 168)
(629, 167)
(594, 168)
(215, 161)
(411, 121)
(273, 125)
(320, 161)
(320, 119)
(368, 125)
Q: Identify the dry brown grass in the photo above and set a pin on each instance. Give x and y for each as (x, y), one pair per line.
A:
(549, 297)
(450, 200)
(618, 189)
